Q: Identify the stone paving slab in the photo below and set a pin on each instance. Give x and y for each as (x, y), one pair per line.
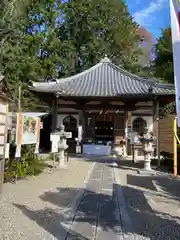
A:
(98, 216)
(109, 224)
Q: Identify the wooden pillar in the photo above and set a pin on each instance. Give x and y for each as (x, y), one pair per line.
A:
(129, 150)
(93, 127)
(54, 113)
(156, 121)
(126, 131)
(85, 123)
(82, 122)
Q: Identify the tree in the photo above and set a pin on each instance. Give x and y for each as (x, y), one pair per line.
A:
(145, 59)
(95, 28)
(147, 45)
(51, 38)
(163, 62)
(163, 65)
(23, 44)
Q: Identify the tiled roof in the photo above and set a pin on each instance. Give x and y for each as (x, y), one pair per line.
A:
(104, 80)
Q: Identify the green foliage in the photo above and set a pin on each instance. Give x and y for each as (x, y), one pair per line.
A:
(41, 39)
(52, 156)
(163, 63)
(169, 109)
(29, 164)
(20, 43)
(95, 28)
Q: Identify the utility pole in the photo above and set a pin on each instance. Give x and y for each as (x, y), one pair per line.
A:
(19, 132)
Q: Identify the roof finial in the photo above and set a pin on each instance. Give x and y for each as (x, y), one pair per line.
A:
(105, 59)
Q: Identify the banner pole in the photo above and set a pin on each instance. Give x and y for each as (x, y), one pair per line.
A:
(175, 145)
(19, 126)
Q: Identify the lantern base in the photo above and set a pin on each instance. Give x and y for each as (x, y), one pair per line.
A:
(61, 160)
(61, 165)
(146, 172)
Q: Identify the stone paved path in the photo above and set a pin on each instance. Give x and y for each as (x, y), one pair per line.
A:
(98, 215)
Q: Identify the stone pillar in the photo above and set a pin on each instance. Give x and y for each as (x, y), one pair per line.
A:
(135, 154)
(62, 156)
(147, 141)
(54, 113)
(62, 147)
(147, 157)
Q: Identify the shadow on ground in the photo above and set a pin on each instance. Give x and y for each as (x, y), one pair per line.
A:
(162, 184)
(146, 222)
(139, 164)
(56, 222)
(128, 164)
(99, 158)
(169, 184)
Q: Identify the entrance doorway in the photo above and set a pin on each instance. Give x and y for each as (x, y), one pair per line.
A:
(104, 129)
(45, 143)
(70, 124)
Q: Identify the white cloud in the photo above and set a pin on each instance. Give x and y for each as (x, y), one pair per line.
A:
(143, 14)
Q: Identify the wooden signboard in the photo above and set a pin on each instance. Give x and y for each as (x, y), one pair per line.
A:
(55, 138)
(3, 138)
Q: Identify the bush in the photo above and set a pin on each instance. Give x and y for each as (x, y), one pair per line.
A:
(51, 155)
(29, 164)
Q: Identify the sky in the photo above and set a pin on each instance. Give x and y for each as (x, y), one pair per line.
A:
(151, 14)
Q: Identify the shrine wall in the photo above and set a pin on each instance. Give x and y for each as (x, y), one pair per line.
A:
(148, 119)
(61, 117)
(119, 125)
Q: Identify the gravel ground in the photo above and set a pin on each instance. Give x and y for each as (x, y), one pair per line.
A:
(32, 209)
(152, 202)
(36, 208)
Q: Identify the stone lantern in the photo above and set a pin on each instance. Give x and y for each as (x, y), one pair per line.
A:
(62, 146)
(147, 140)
